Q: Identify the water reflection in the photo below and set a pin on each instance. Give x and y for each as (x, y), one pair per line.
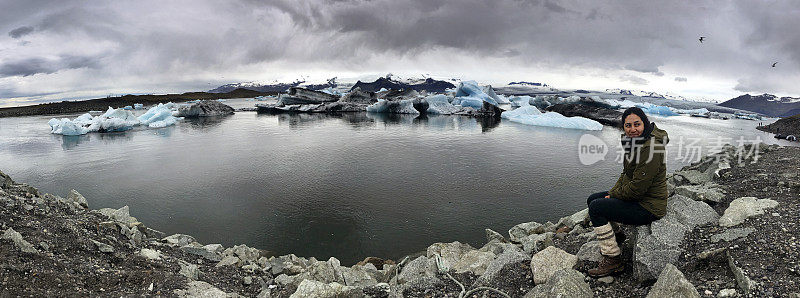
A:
(205, 122)
(69, 142)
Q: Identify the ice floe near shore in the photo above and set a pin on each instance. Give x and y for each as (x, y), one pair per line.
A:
(113, 120)
(530, 115)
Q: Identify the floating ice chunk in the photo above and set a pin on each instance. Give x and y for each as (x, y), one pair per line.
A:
(138, 106)
(497, 98)
(66, 127)
(700, 111)
(439, 104)
(470, 92)
(158, 116)
(652, 109)
(530, 115)
(127, 108)
(405, 106)
(383, 90)
(520, 101)
(114, 120)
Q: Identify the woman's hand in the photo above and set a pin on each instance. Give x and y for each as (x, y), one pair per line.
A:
(608, 196)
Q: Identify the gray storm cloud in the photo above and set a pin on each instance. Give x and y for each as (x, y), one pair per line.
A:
(181, 43)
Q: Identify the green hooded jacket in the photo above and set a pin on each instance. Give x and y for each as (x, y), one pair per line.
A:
(644, 177)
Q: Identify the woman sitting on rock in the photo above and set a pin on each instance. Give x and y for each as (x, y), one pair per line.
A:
(640, 195)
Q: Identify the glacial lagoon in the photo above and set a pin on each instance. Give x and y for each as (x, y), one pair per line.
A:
(350, 185)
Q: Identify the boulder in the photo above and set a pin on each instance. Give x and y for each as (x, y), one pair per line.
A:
(516, 233)
(732, 234)
(743, 208)
(312, 288)
(450, 253)
(102, 247)
(474, 261)
(228, 261)
(507, 258)
(150, 254)
(706, 192)
(689, 212)
(302, 96)
(492, 235)
(202, 252)
(563, 283)
(19, 242)
(359, 276)
(205, 108)
(580, 217)
(744, 282)
(671, 284)
(76, 197)
(496, 247)
(536, 242)
(418, 268)
(693, 177)
(191, 271)
(589, 252)
(178, 239)
(202, 289)
(546, 262)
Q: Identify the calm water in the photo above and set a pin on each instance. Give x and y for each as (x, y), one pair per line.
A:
(347, 186)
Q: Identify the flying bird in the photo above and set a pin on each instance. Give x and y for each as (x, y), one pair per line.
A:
(702, 38)
(773, 64)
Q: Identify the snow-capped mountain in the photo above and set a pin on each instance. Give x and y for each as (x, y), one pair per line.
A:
(766, 104)
(275, 86)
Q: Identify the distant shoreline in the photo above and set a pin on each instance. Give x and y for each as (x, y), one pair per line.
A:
(66, 107)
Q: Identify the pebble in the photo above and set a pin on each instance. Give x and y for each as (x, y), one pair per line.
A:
(727, 293)
(708, 293)
(606, 280)
(248, 280)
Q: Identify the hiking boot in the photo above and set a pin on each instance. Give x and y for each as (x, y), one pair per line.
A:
(620, 237)
(607, 266)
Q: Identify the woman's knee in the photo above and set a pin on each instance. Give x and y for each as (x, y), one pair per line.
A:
(595, 196)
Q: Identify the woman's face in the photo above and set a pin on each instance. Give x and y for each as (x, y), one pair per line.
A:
(633, 126)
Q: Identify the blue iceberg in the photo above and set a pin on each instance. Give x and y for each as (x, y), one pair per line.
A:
(405, 106)
(469, 94)
(530, 115)
(439, 105)
(158, 116)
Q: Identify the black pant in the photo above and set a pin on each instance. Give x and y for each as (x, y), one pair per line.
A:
(602, 210)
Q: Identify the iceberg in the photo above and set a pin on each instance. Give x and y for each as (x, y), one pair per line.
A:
(652, 109)
(469, 94)
(114, 120)
(530, 115)
(405, 106)
(520, 101)
(700, 111)
(138, 106)
(66, 127)
(158, 116)
(498, 98)
(439, 105)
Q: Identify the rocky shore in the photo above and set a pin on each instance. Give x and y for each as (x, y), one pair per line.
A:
(101, 104)
(731, 230)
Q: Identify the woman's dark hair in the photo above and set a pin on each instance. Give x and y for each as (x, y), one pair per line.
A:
(638, 112)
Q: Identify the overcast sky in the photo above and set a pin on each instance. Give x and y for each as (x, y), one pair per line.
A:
(54, 50)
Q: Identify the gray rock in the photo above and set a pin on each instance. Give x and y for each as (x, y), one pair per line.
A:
(202, 252)
(711, 253)
(450, 253)
(580, 217)
(651, 255)
(516, 233)
(546, 262)
(492, 235)
(418, 268)
(205, 108)
(247, 280)
(704, 193)
(178, 239)
(102, 247)
(692, 177)
(474, 261)
(19, 242)
(506, 258)
(245, 253)
(562, 283)
(606, 279)
(359, 276)
(537, 242)
(228, 261)
(732, 234)
(496, 247)
(202, 289)
(76, 197)
(191, 271)
(358, 96)
(671, 283)
(744, 282)
(724, 293)
(742, 208)
(312, 288)
(669, 231)
(123, 215)
(589, 252)
(217, 248)
(690, 212)
(150, 254)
